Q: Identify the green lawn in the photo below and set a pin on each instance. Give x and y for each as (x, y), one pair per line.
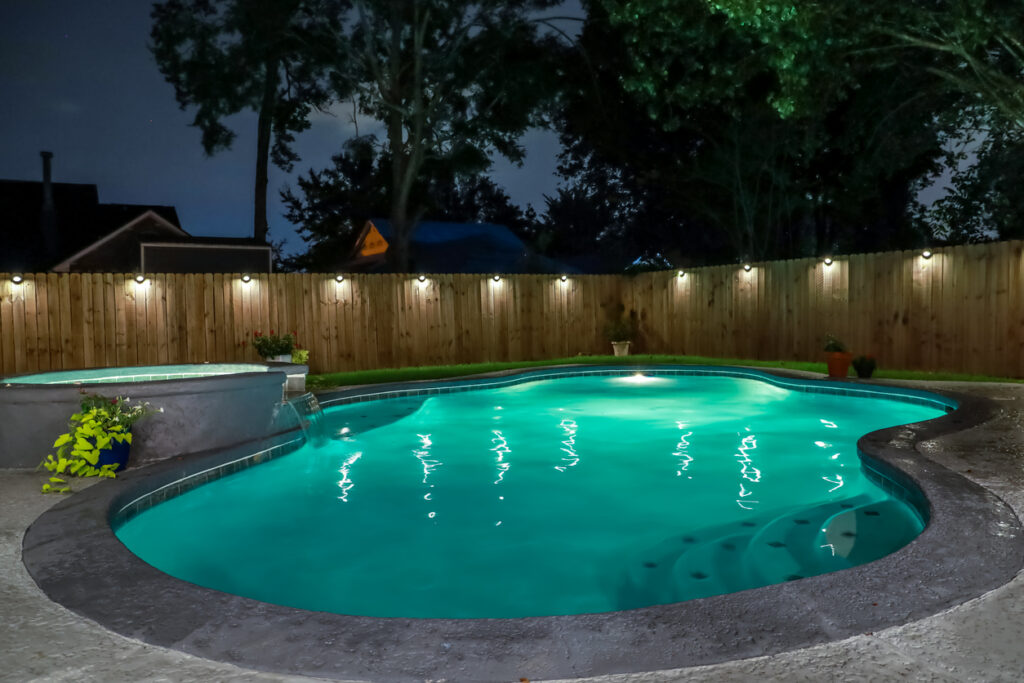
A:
(331, 380)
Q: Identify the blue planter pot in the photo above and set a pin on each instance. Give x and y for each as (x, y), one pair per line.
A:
(117, 454)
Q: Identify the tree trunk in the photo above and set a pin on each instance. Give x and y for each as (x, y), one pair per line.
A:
(263, 130)
(398, 249)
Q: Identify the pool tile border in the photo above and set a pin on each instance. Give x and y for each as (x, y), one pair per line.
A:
(973, 544)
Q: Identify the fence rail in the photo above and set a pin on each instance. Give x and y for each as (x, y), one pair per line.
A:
(961, 310)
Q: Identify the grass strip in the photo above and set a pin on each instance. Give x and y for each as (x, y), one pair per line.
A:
(331, 380)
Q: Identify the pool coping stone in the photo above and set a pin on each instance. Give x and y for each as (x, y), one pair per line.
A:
(974, 543)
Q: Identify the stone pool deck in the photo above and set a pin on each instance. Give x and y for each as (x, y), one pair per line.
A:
(976, 641)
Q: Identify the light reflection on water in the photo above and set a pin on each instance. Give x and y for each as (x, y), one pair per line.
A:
(592, 503)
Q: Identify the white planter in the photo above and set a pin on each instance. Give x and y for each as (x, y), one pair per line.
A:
(621, 348)
(283, 358)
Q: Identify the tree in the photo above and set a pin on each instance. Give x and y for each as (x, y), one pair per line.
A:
(784, 154)
(331, 206)
(270, 56)
(452, 81)
(983, 198)
(973, 46)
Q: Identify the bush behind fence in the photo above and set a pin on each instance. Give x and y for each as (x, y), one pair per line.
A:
(962, 310)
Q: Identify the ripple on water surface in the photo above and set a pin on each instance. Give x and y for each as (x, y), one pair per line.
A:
(566, 496)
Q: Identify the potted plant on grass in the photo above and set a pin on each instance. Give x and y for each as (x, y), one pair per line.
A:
(864, 366)
(274, 347)
(97, 442)
(837, 357)
(620, 333)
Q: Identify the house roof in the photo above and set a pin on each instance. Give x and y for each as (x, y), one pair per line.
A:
(445, 247)
(80, 221)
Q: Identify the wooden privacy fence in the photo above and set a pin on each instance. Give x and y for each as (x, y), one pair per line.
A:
(961, 310)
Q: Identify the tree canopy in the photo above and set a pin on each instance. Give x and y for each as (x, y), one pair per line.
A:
(269, 56)
(452, 81)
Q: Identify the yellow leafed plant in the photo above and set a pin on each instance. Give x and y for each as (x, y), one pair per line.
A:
(101, 422)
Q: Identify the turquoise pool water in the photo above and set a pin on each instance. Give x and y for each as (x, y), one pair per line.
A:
(566, 496)
(142, 373)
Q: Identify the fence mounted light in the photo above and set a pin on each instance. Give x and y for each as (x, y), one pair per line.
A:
(746, 267)
(17, 279)
(422, 278)
(140, 278)
(828, 261)
(339, 278)
(680, 273)
(564, 278)
(246, 278)
(926, 254)
(496, 278)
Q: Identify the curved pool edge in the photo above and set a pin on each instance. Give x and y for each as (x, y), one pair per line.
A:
(973, 544)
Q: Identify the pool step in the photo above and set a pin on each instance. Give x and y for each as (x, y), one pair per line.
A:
(868, 532)
(712, 568)
(794, 546)
(650, 574)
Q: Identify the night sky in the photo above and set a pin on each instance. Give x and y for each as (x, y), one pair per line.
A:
(77, 79)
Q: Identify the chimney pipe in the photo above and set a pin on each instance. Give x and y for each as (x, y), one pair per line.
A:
(48, 215)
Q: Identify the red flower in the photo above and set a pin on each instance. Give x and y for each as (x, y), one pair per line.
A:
(257, 333)
(271, 332)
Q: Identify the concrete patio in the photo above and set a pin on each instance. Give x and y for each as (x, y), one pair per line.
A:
(976, 641)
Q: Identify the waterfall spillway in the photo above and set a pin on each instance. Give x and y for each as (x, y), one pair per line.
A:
(310, 418)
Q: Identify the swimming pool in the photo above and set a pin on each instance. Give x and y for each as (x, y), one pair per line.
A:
(972, 543)
(556, 496)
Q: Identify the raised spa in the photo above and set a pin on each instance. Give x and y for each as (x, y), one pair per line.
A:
(203, 406)
(564, 496)
(142, 373)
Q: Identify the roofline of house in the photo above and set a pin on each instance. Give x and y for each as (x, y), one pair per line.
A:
(65, 265)
(196, 245)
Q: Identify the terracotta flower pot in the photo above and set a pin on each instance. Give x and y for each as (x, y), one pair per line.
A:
(838, 363)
